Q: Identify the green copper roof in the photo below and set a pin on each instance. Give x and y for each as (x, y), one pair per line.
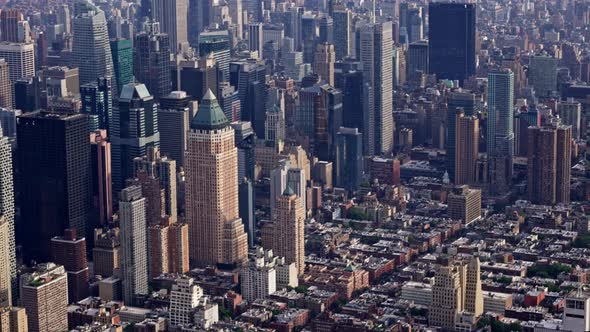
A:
(210, 115)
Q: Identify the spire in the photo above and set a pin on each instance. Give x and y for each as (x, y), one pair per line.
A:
(210, 115)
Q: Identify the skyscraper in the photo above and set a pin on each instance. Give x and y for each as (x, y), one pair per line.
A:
(460, 101)
(376, 59)
(549, 164)
(44, 295)
(122, 53)
(451, 38)
(500, 134)
(20, 58)
(134, 268)
(173, 124)
(342, 36)
(97, 102)
(151, 63)
(102, 182)
(69, 250)
(5, 264)
(91, 51)
(543, 74)
(216, 231)
(255, 39)
(466, 148)
(134, 128)
(324, 60)
(54, 159)
(246, 202)
(464, 204)
(570, 113)
(349, 158)
(7, 205)
(288, 238)
(217, 44)
(172, 14)
(417, 59)
(5, 85)
(9, 20)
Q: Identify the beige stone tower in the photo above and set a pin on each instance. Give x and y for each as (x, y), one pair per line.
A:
(288, 238)
(216, 234)
(473, 293)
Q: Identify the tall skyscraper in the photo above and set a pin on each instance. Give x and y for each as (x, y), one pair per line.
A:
(473, 293)
(570, 113)
(102, 182)
(5, 262)
(451, 39)
(324, 60)
(549, 164)
(151, 63)
(122, 53)
(466, 148)
(134, 128)
(500, 134)
(249, 76)
(288, 238)
(172, 14)
(54, 159)
(9, 20)
(5, 85)
(255, 38)
(7, 205)
(349, 158)
(376, 59)
(543, 74)
(216, 231)
(342, 31)
(417, 59)
(91, 51)
(196, 77)
(173, 124)
(44, 295)
(20, 58)
(69, 250)
(217, 44)
(134, 267)
(246, 201)
(460, 101)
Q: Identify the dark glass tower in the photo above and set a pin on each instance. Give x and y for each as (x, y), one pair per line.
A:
(152, 61)
(97, 103)
(54, 166)
(451, 38)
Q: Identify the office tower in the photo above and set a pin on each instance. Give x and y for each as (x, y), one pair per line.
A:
(133, 128)
(294, 66)
(163, 170)
(20, 58)
(524, 120)
(230, 102)
(172, 15)
(102, 187)
(417, 59)
(245, 140)
(326, 30)
(473, 293)
(151, 63)
(97, 102)
(570, 113)
(106, 253)
(349, 158)
(287, 176)
(173, 124)
(27, 94)
(44, 295)
(7, 205)
(350, 82)
(184, 298)
(549, 164)
(91, 51)
(543, 75)
(13, 319)
(217, 44)
(273, 33)
(246, 209)
(236, 13)
(255, 39)
(275, 124)
(5, 86)
(69, 76)
(466, 148)
(575, 315)
(324, 60)
(288, 238)
(196, 77)
(460, 101)
(500, 134)
(69, 250)
(342, 36)
(8, 121)
(258, 278)
(249, 76)
(376, 58)
(122, 54)
(451, 39)
(54, 159)
(134, 265)
(198, 19)
(447, 297)
(216, 231)
(415, 24)
(9, 21)
(6, 255)
(464, 204)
